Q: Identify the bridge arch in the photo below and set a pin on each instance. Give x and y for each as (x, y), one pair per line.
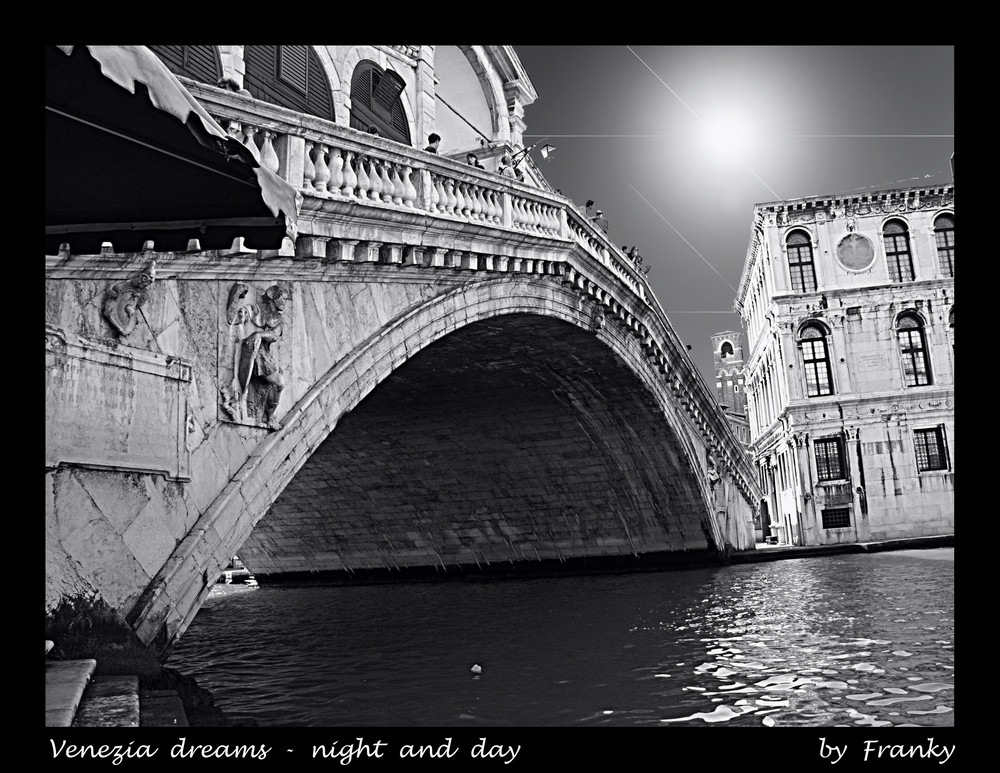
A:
(170, 602)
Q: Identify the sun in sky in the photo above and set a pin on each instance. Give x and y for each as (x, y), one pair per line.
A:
(726, 134)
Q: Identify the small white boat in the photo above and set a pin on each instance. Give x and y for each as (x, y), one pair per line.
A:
(251, 581)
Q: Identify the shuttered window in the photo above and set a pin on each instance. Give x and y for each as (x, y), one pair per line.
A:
(290, 76)
(293, 67)
(376, 101)
(201, 63)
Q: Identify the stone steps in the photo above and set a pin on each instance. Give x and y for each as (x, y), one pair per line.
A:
(65, 684)
(74, 697)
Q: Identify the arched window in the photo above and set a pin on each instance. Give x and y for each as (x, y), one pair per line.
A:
(913, 350)
(897, 251)
(200, 63)
(944, 235)
(290, 76)
(800, 262)
(375, 101)
(727, 349)
(816, 359)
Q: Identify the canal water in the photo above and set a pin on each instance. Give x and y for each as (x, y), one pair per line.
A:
(849, 640)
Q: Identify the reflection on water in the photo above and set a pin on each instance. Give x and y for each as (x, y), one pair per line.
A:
(855, 640)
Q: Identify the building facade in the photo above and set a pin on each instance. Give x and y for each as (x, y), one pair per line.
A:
(849, 306)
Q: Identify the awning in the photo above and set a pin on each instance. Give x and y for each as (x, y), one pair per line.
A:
(131, 156)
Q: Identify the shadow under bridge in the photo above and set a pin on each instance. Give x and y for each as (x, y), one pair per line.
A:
(517, 444)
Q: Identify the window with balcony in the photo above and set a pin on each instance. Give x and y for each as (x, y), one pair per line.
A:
(800, 262)
(913, 350)
(932, 454)
(944, 236)
(816, 361)
(896, 237)
(830, 462)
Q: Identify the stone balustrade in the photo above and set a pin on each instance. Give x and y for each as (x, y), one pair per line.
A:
(330, 164)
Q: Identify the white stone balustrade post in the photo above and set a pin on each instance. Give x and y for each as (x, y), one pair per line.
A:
(398, 188)
(308, 168)
(322, 176)
(409, 191)
(388, 187)
(268, 158)
(564, 229)
(336, 172)
(364, 181)
(248, 141)
(290, 152)
(508, 209)
(350, 177)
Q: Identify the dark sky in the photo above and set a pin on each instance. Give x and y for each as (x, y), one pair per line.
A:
(677, 143)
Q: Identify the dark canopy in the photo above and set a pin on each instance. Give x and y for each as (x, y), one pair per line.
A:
(131, 156)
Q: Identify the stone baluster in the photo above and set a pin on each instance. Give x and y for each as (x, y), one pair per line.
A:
(364, 181)
(480, 203)
(268, 157)
(322, 177)
(554, 223)
(388, 186)
(336, 171)
(515, 212)
(521, 215)
(375, 178)
(398, 189)
(490, 209)
(451, 200)
(350, 177)
(459, 200)
(409, 191)
(308, 168)
(498, 200)
(435, 194)
(248, 140)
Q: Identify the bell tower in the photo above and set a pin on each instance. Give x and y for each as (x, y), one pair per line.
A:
(727, 357)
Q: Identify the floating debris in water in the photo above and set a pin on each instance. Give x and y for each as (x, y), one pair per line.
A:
(476, 668)
(902, 654)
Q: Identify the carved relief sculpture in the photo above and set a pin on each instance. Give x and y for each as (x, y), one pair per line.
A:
(256, 321)
(124, 300)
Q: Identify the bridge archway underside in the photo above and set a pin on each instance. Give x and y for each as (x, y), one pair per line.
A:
(520, 440)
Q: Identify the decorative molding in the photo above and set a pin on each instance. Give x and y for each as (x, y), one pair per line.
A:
(124, 300)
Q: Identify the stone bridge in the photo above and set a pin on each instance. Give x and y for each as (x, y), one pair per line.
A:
(446, 371)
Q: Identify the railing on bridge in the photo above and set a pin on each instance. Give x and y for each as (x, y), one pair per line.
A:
(331, 163)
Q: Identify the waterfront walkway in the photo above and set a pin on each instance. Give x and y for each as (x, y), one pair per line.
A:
(75, 696)
(765, 552)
